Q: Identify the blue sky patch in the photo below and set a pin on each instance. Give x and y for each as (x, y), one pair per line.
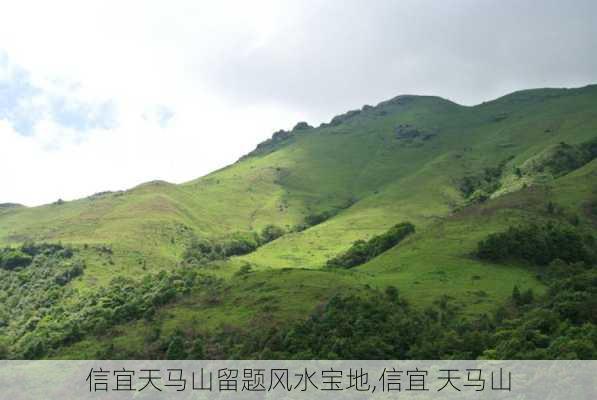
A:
(24, 105)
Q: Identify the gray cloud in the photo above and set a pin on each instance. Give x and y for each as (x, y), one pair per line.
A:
(334, 56)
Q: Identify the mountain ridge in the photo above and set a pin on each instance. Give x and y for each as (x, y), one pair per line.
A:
(390, 101)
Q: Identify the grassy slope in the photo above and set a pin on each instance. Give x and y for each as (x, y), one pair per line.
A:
(360, 161)
(432, 263)
(422, 184)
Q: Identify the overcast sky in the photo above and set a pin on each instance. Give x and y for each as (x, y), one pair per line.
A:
(104, 95)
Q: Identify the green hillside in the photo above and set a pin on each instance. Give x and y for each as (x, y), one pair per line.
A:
(458, 174)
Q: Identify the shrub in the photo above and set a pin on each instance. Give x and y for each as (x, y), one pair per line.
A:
(198, 350)
(202, 250)
(537, 244)
(240, 243)
(270, 233)
(199, 250)
(239, 246)
(176, 350)
(478, 187)
(318, 218)
(70, 274)
(13, 258)
(363, 251)
(244, 270)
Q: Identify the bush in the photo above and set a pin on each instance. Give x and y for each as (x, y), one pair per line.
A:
(363, 251)
(199, 250)
(70, 274)
(202, 250)
(34, 249)
(176, 347)
(198, 349)
(538, 244)
(270, 233)
(318, 218)
(244, 270)
(477, 188)
(237, 247)
(14, 258)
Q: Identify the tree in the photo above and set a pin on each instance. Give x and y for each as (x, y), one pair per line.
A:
(527, 297)
(198, 350)
(392, 293)
(176, 350)
(516, 295)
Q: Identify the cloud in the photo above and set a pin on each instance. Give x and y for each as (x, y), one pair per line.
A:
(103, 95)
(160, 114)
(82, 116)
(16, 94)
(26, 105)
(331, 57)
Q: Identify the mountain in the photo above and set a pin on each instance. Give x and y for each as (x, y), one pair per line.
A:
(260, 232)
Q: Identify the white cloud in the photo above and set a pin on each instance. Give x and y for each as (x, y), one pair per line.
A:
(140, 57)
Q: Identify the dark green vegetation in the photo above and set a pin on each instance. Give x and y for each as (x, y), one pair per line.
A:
(559, 325)
(479, 187)
(539, 245)
(14, 258)
(362, 251)
(200, 251)
(39, 313)
(503, 196)
(33, 283)
(562, 158)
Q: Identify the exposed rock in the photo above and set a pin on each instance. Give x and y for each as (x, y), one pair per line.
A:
(277, 137)
(338, 119)
(301, 126)
(406, 131)
(409, 133)
(401, 100)
(105, 194)
(271, 144)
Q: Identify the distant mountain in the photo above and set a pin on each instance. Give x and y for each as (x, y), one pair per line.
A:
(6, 207)
(10, 205)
